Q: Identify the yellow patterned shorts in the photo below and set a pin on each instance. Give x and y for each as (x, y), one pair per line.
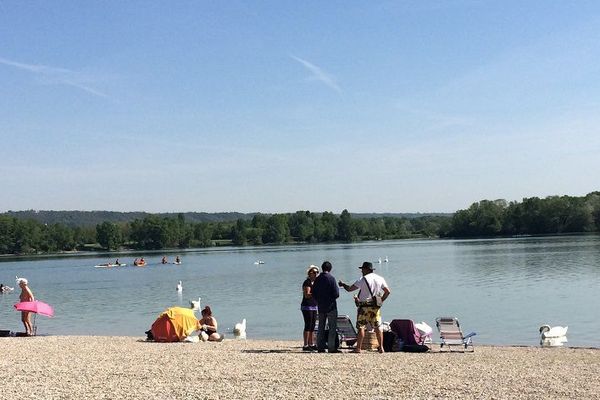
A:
(368, 315)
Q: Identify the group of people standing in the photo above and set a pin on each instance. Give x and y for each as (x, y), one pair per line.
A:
(319, 300)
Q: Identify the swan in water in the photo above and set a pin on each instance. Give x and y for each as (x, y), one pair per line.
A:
(179, 287)
(379, 260)
(239, 331)
(195, 305)
(553, 336)
(386, 259)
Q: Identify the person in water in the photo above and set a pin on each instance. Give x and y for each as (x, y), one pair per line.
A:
(164, 260)
(26, 295)
(208, 326)
(177, 260)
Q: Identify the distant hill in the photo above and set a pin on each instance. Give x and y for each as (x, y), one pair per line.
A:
(93, 218)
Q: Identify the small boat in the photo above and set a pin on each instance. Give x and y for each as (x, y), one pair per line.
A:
(259, 262)
(109, 265)
(177, 262)
(140, 264)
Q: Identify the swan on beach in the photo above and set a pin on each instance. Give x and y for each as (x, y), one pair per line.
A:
(553, 336)
(195, 305)
(179, 287)
(239, 330)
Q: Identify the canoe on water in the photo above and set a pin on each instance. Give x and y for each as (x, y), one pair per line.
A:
(110, 265)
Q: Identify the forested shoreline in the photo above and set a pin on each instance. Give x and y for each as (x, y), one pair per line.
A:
(486, 218)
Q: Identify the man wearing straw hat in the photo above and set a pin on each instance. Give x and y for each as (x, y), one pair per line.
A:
(368, 301)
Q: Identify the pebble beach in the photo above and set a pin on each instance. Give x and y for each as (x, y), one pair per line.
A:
(102, 367)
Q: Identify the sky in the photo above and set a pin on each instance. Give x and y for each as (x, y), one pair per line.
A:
(279, 106)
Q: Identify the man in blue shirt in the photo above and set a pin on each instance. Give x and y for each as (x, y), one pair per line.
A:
(325, 292)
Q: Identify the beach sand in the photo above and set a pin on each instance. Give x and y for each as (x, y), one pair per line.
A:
(85, 367)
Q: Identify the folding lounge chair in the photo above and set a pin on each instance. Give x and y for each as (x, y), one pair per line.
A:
(451, 334)
(346, 331)
(411, 337)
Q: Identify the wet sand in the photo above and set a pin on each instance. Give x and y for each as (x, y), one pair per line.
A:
(85, 367)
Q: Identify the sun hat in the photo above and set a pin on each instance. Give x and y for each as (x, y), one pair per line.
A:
(22, 280)
(367, 265)
(312, 267)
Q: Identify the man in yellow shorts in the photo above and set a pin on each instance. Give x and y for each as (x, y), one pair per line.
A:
(373, 291)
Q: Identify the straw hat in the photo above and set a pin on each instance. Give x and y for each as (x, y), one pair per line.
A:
(312, 267)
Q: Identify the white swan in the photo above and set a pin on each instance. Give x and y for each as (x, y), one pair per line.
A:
(179, 287)
(386, 259)
(195, 305)
(239, 331)
(553, 336)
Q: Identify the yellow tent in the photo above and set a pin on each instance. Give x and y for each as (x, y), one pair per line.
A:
(174, 324)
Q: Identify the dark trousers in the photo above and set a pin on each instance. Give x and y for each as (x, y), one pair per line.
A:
(331, 318)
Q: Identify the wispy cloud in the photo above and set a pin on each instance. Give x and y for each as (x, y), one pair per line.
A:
(56, 76)
(319, 74)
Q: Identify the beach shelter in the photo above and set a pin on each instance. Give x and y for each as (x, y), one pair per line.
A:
(174, 324)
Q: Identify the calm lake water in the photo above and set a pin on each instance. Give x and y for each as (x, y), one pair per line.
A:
(503, 289)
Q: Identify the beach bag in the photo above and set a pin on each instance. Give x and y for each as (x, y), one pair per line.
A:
(337, 339)
(390, 340)
(373, 301)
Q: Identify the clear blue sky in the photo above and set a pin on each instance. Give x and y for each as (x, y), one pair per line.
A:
(278, 106)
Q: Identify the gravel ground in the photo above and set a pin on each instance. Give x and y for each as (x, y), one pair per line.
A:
(94, 367)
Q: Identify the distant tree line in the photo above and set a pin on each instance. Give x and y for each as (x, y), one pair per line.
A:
(486, 218)
(154, 232)
(532, 216)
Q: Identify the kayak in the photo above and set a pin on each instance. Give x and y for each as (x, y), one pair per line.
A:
(109, 265)
(177, 262)
(140, 264)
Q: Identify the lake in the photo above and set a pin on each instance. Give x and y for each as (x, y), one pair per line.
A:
(503, 289)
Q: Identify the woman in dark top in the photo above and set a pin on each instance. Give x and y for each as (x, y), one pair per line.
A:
(208, 326)
(309, 309)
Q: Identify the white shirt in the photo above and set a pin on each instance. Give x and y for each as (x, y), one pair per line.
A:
(375, 282)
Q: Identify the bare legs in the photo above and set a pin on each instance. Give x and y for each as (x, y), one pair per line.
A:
(361, 335)
(309, 338)
(379, 334)
(26, 319)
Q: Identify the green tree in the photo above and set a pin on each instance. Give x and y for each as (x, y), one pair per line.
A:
(203, 233)
(277, 230)
(109, 235)
(377, 228)
(326, 227)
(346, 229)
(238, 233)
(302, 226)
